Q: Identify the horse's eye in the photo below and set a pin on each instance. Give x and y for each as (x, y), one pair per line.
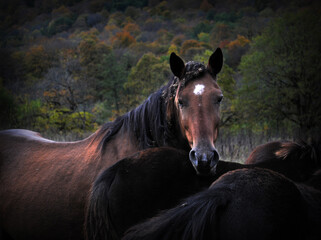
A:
(219, 99)
(181, 103)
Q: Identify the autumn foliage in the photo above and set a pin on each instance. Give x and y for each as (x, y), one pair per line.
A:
(123, 39)
(70, 66)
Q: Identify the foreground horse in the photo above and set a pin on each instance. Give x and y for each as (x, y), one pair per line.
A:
(138, 187)
(160, 178)
(44, 184)
(242, 204)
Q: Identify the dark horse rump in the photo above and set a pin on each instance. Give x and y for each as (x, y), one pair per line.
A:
(138, 187)
(242, 204)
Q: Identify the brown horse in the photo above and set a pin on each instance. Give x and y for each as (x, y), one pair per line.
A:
(44, 184)
(242, 204)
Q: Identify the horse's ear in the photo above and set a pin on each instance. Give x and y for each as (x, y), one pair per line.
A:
(215, 62)
(177, 65)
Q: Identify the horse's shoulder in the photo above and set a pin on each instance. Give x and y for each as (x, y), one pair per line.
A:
(22, 134)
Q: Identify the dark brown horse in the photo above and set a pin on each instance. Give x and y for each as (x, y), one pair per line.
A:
(296, 160)
(139, 186)
(242, 204)
(44, 184)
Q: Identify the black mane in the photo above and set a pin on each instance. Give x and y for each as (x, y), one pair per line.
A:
(149, 121)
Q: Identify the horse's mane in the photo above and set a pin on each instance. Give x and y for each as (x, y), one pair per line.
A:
(148, 123)
(153, 122)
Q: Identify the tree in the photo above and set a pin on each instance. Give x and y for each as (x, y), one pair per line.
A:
(189, 45)
(36, 61)
(236, 49)
(67, 98)
(281, 73)
(123, 40)
(91, 52)
(205, 6)
(219, 33)
(8, 108)
(144, 78)
(132, 28)
(113, 75)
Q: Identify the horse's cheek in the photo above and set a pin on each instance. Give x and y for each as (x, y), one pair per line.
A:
(185, 124)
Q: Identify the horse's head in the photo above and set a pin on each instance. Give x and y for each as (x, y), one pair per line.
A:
(196, 102)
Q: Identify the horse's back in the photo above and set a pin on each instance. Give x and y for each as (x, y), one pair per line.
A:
(40, 186)
(19, 142)
(22, 134)
(270, 207)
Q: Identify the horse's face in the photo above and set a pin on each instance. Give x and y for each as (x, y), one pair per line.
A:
(198, 113)
(197, 108)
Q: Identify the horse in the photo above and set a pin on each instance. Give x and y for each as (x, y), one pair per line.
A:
(137, 187)
(45, 184)
(112, 208)
(296, 160)
(247, 204)
(277, 150)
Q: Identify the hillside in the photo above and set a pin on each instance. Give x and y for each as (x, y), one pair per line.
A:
(69, 66)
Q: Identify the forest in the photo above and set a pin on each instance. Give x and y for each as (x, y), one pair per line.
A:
(67, 67)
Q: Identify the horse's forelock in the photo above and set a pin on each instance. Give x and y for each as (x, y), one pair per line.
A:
(194, 70)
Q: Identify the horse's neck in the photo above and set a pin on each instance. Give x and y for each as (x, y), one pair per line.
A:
(123, 144)
(143, 127)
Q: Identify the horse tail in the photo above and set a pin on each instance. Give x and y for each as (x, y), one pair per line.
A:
(195, 218)
(98, 223)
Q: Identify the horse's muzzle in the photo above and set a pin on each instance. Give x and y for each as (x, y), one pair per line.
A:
(204, 161)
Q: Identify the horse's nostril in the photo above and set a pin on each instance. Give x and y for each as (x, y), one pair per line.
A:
(192, 155)
(216, 156)
(204, 160)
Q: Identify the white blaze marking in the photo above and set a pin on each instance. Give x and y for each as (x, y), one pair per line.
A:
(199, 89)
